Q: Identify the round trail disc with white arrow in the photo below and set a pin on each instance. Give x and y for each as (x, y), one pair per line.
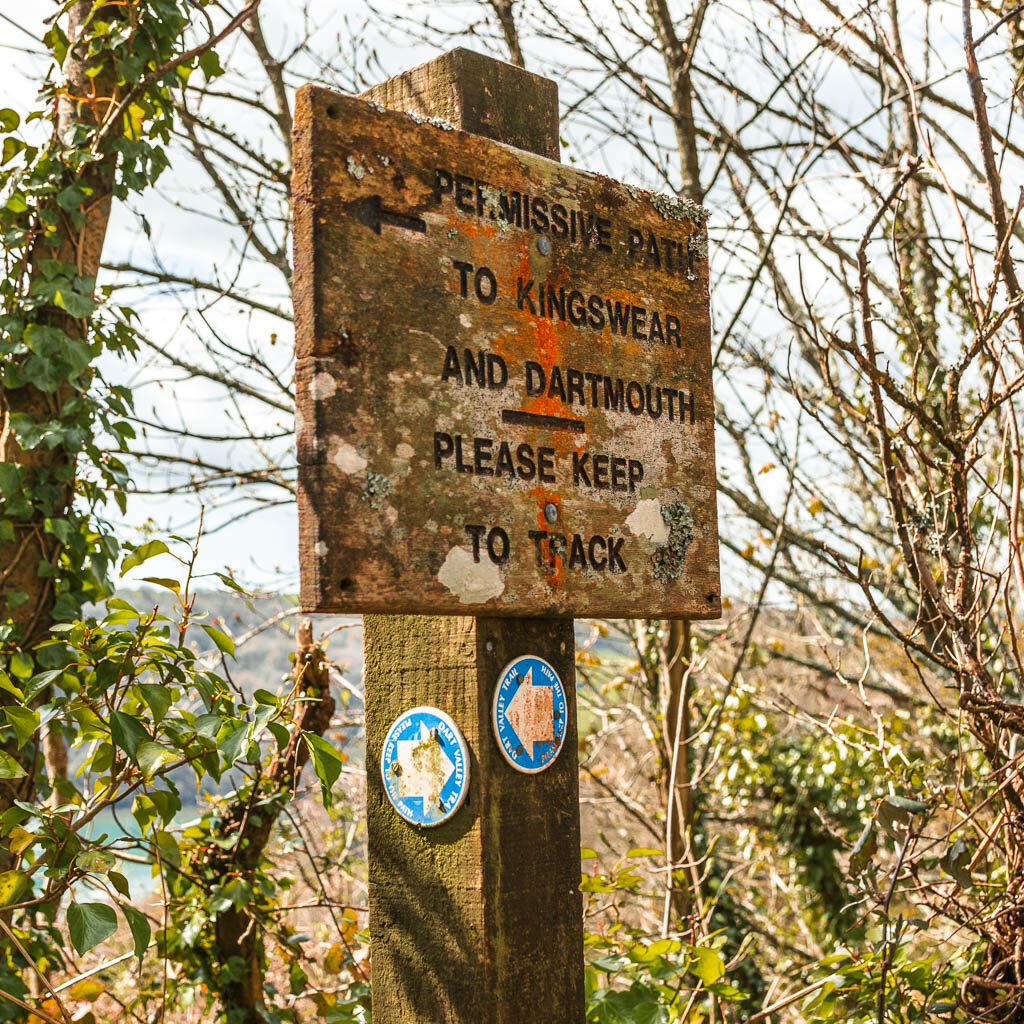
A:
(529, 714)
(425, 766)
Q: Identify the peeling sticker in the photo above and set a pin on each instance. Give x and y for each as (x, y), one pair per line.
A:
(322, 386)
(647, 521)
(471, 582)
(347, 459)
(376, 489)
(668, 561)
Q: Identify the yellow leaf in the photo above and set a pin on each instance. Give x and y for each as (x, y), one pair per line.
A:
(766, 468)
(867, 562)
(775, 644)
(332, 962)
(726, 604)
(815, 505)
(133, 120)
(748, 551)
(88, 989)
(21, 840)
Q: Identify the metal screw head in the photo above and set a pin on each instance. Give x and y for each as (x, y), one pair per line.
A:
(551, 512)
(544, 245)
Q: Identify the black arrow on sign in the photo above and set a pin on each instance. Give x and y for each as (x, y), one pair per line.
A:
(369, 212)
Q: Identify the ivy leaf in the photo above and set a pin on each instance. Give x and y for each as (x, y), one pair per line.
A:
(141, 931)
(89, 924)
(327, 763)
(141, 553)
(25, 722)
(128, 733)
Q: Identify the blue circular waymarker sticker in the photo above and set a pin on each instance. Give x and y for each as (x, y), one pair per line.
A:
(425, 766)
(529, 714)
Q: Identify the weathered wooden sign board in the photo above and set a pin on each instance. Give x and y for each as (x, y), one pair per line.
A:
(504, 394)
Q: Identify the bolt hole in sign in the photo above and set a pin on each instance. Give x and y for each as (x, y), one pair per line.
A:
(529, 714)
(425, 765)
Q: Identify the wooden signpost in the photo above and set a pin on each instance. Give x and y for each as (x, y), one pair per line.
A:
(504, 409)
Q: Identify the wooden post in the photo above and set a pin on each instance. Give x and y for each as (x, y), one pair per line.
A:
(479, 920)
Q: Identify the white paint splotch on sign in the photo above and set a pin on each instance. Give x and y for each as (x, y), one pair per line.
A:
(470, 581)
(647, 521)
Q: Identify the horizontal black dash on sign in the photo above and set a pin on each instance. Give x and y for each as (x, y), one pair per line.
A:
(532, 419)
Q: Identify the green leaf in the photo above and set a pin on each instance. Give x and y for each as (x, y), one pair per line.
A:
(327, 763)
(864, 849)
(9, 768)
(89, 924)
(21, 665)
(120, 883)
(158, 698)
(233, 741)
(209, 62)
(169, 849)
(708, 964)
(221, 639)
(906, 804)
(141, 553)
(6, 684)
(645, 851)
(12, 147)
(9, 119)
(956, 863)
(141, 931)
(152, 757)
(12, 885)
(127, 733)
(163, 581)
(25, 722)
(280, 733)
